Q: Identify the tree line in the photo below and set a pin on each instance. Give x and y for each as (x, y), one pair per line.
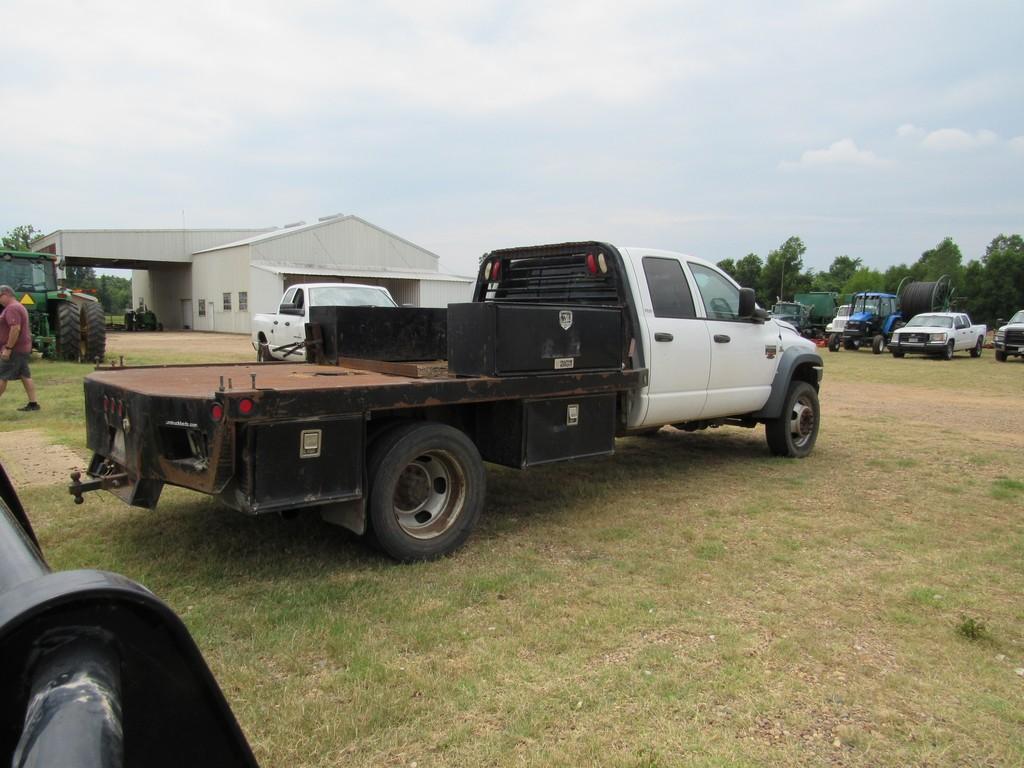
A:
(989, 288)
(114, 293)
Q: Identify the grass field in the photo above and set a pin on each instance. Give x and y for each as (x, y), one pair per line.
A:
(690, 601)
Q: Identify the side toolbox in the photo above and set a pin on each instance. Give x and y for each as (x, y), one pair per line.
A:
(530, 432)
(495, 339)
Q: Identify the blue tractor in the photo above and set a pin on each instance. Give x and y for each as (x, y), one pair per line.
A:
(873, 318)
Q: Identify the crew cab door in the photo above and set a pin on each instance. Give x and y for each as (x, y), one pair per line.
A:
(743, 353)
(964, 333)
(677, 340)
(292, 319)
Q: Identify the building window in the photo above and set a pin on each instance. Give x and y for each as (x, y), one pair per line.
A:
(202, 307)
(243, 301)
(227, 302)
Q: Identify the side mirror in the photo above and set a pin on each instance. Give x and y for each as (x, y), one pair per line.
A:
(1000, 322)
(748, 309)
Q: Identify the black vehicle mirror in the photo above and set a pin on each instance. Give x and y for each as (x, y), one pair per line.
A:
(748, 309)
(1000, 322)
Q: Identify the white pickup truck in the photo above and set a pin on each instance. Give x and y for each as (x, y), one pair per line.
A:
(563, 349)
(281, 335)
(938, 334)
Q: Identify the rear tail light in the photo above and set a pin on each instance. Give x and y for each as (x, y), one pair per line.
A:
(496, 270)
(592, 263)
(106, 404)
(216, 411)
(246, 406)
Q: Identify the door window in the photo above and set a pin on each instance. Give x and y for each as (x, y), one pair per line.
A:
(289, 295)
(721, 298)
(670, 293)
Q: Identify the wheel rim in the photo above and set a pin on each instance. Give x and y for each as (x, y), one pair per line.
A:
(801, 421)
(430, 495)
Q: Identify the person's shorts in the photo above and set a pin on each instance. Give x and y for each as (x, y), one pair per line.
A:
(15, 368)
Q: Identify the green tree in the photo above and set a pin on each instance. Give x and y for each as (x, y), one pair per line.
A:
(864, 279)
(783, 274)
(80, 277)
(114, 293)
(748, 271)
(1000, 287)
(728, 266)
(944, 259)
(841, 270)
(19, 238)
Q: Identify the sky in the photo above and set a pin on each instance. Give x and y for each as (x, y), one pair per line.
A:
(866, 128)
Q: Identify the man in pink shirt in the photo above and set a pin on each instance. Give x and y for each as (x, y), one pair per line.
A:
(15, 346)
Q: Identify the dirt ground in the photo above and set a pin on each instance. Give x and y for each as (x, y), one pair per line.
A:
(123, 343)
(31, 460)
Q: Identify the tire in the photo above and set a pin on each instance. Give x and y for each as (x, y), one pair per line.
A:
(899, 354)
(427, 489)
(878, 344)
(68, 331)
(94, 331)
(948, 353)
(1000, 356)
(976, 351)
(833, 342)
(794, 433)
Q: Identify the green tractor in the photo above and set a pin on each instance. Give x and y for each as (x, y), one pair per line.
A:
(66, 324)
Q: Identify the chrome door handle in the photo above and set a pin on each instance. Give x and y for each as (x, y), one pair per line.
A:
(663, 337)
(721, 338)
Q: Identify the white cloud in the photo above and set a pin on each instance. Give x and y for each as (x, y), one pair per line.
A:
(840, 154)
(908, 130)
(957, 139)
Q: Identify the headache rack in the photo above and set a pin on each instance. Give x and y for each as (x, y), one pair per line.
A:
(560, 274)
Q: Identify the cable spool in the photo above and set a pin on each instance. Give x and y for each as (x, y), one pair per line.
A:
(918, 297)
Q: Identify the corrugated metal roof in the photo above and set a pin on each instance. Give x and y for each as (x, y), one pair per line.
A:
(284, 232)
(391, 274)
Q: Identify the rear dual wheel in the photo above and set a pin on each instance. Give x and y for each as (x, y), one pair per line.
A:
(427, 488)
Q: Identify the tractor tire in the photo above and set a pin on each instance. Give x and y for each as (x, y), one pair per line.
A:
(1000, 356)
(68, 331)
(878, 344)
(794, 433)
(947, 353)
(427, 489)
(976, 351)
(833, 342)
(94, 331)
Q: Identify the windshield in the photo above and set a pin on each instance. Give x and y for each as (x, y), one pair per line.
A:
(28, 275)
(342, 295)
(1018, 317)
(844, 311)
(867, 304)
(936, 321)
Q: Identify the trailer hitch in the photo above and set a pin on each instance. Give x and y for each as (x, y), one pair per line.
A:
(104, 482)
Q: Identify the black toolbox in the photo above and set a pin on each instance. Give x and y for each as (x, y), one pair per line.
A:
(496, 339)
(396, 334)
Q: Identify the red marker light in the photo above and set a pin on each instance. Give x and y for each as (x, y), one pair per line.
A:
(496, 270)
(216, 411)
(120, 407)
(591, 263)
(246, 406)
(106, 403)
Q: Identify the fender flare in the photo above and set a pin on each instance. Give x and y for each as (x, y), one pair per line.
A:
(791, 360)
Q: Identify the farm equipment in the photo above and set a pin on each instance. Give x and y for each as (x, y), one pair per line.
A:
(66, 324)
(823, 305)
(796, 314)
(141, 319)
(874, 316)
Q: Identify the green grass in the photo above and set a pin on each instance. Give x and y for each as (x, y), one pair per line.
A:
(691, 600)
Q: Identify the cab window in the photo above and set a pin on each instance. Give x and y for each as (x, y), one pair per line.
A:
(670, 293)
(289, 295)
(721, 297)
